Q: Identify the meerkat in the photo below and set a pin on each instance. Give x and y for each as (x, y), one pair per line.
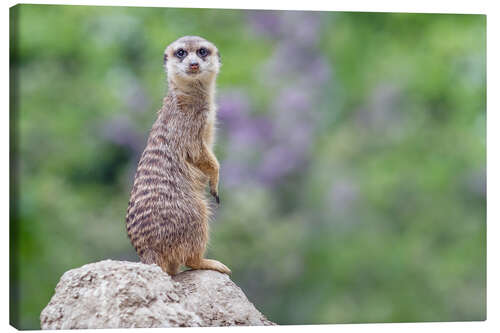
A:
(168, 212)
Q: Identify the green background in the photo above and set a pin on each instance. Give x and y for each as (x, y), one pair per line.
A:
(361, 136)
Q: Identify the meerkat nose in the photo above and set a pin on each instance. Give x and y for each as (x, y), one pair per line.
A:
(194, 65)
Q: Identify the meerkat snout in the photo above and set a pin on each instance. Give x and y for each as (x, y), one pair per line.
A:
(192, 58)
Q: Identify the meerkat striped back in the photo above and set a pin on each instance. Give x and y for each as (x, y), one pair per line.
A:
(156, 189)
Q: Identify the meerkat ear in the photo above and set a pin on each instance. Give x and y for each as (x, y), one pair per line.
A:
(220, 59)
(165, 59)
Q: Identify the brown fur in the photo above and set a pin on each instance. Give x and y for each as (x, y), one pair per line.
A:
(167, 217)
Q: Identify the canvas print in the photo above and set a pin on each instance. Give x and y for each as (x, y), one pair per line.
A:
(216, 167)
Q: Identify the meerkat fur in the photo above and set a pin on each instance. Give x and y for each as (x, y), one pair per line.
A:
(168, 212)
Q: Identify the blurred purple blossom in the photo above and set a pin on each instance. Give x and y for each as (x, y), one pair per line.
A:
(381, 111)
(243, 129)
(267, 148)
(233, 107)
(292, 99)
(234, 173)
(344, 192)
(277, 162)
(265, 22)
(290, 63)
(301, 27)
(120, 131)
(319, 71)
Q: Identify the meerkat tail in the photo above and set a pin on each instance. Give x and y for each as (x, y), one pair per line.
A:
(211, 264)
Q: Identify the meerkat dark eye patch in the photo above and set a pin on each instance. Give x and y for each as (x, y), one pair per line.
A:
(203, 52)
(180, 53)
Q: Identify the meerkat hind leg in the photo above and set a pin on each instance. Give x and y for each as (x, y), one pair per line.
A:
(202, 263)
(149, 256)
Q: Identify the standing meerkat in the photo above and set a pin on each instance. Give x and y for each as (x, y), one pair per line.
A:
(167, 216)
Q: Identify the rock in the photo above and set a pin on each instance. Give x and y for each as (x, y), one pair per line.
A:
(121, 294)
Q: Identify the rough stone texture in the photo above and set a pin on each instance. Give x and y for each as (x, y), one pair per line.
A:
(121, 294)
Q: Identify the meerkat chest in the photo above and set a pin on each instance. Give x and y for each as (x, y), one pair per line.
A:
(189, 131)
(201, 123)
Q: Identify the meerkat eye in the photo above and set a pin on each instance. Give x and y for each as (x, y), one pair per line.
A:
(203, 52)
(180, 53)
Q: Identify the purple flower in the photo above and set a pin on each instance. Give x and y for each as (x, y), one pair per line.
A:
(270, 147)
(343, 194)
(120, 131)
(277, 162)
(319, 72)
(302, 27)
(265, 22)
(293, 99)
(233, 107)
(241, 128)
(381, 110)
(234, 173)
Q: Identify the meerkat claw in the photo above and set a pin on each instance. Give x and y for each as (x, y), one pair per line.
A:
(216, 196)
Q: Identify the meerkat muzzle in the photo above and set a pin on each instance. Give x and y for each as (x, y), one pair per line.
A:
(194, 67)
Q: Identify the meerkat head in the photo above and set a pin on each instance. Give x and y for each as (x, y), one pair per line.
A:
(191, 58)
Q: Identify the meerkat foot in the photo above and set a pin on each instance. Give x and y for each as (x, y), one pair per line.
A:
(209, 264)
(150, 256)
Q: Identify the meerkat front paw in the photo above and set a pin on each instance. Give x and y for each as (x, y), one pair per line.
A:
(216, 196)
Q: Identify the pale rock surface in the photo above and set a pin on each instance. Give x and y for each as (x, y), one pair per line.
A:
(121, 294)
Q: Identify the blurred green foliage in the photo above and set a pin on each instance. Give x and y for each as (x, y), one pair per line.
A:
(386, 220)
